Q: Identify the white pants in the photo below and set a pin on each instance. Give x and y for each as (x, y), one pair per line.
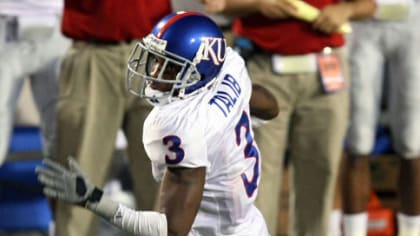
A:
(34, 53)
(376, 48)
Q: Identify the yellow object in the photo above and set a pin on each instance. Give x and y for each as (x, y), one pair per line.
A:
(392, 11)
(309, 13)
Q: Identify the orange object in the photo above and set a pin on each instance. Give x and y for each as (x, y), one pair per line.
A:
(331, 72)
(380, 220)
(374, 201)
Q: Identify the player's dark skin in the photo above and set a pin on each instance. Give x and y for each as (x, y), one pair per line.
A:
(182, 188)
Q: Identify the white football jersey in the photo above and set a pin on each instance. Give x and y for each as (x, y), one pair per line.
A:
(213, 130)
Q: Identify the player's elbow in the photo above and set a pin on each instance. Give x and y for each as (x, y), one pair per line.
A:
(263, 104)
(266, 113)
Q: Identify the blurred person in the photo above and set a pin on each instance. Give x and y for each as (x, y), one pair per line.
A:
(31, 46)
(386, 45)
(223, 21)
(93, 103)
(304, 64)
(198, 136)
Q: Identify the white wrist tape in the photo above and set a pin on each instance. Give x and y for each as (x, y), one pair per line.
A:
(147, 223)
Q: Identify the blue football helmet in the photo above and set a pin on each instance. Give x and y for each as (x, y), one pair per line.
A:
(188, 44)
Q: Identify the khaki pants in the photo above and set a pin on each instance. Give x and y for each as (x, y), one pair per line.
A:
(311, 125)
(93, 105)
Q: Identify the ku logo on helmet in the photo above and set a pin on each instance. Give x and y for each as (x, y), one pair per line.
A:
(211, 49)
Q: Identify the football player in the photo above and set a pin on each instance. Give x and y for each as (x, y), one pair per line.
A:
(198, 136)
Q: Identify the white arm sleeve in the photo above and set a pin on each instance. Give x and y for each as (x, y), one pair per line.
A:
(145, 223)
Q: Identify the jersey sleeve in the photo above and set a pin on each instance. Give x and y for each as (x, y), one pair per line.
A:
(175, 142)
(235, 66)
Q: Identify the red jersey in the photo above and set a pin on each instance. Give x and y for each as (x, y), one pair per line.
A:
(111, 20)
(289, 36)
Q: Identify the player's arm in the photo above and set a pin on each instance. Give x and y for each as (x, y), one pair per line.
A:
(72, 186)
(263, 104)
(180, 197)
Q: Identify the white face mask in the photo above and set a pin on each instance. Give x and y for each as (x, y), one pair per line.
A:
(137, 77)
(156, 97)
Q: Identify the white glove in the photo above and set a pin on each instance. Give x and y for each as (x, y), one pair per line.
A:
(69, 185)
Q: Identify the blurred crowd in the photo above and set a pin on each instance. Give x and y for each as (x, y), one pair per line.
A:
(331, 74)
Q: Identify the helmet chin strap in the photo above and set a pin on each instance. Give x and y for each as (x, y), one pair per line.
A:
(156, 97)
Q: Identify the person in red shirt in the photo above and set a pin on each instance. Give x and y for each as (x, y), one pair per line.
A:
(304, 64)
(93, 99)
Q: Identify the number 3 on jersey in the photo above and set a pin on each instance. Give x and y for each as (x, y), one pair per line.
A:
(174, 143)
(250, 151)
